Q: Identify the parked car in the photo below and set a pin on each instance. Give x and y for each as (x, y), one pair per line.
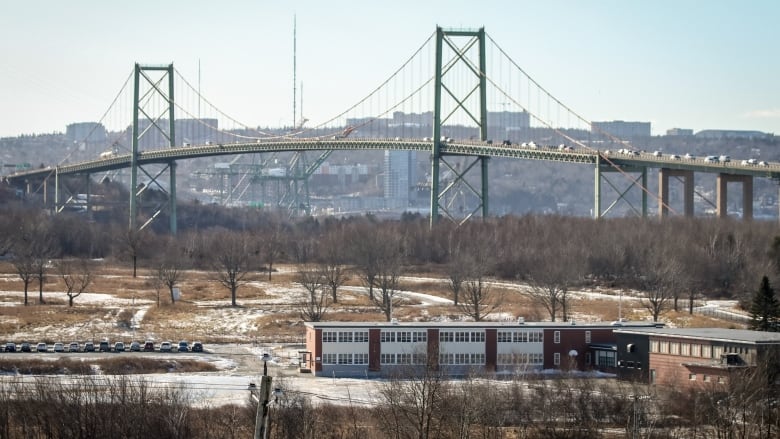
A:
(104, 346)
(89, 347)
(165, 346)
(119, 347)
(10, 347)
(59, 347)
(135, 347)
(73, 347)
(42, 347)
(183, 346)
(197, 347)
(26, 347)
(149, 346)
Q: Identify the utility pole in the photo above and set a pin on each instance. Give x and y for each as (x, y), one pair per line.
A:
(261, 418)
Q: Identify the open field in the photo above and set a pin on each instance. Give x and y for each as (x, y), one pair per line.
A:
(120, 307)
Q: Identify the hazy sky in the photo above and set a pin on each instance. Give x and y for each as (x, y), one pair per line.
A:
(690, 64)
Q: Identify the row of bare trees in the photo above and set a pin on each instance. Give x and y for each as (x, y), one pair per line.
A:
(419, 405)
(671, 262)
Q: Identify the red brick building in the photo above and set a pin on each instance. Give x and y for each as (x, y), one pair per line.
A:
(379, 348)
(691, 356)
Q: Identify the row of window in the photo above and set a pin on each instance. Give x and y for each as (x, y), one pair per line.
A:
(520, 336)
(345, 358)
(520, 358)
(462, 336)
(706, 378)
(462, 358)
(686, 349)
(403, 358)
(404, 336)
(345, 336)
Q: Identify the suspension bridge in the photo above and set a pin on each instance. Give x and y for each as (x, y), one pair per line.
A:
(449, 99)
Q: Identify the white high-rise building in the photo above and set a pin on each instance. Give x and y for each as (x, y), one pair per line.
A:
(399, 178)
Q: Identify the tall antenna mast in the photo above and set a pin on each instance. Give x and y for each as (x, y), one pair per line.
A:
(294, 67)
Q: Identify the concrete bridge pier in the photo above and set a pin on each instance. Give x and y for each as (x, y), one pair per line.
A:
(663, 190)
(747, 194)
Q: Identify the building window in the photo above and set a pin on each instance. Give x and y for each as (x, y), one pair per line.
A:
(692, 376)
(477, 337)
(706, 378)
(654, 346)
(404, 337)
(329, 359)
(536, 337)
(387, 337)
(557, 358)
(446, 359)
(606, 358)
(420, 358)
(461, 336)
(360, 358)
(557, 337)
(420, 337)
(520, 337)
(345, 358)
(696, 350)
(652, 376)
(674, 348)
(504, 337)
(587, 336)
(721, 380)
(706, 351)
(387, 358)
(361, 337)
(664, 347)
(685, 349)
(587, 357)
(329, 336)
(403, 358)
(345, 337)
(446, 336)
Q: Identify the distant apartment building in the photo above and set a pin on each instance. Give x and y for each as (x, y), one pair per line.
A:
(621, 129)
(458, 348)
(679, 132)
(399, 178)
(87, 132)
(732, 134)
(691, 356)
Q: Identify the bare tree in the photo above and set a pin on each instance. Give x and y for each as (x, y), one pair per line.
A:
(661, 274)
(366, 249)
(24, 265)
(316, 303)
(332, 265)
(412, 404)
(37, 245)
(77, 277)
(231, 261)
(458, 265)
(169, 271)
(389, 269)
(272, 245)
(132, 243)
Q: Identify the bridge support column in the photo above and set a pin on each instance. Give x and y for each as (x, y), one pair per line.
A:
(747, 194)
(597, 194)
(663, 190)
(172, 200)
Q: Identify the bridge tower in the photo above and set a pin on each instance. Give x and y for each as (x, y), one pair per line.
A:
(150, 77)
(462, 102)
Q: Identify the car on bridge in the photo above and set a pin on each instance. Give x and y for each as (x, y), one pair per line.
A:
(710, 159)
(724, 159)
(689, 156)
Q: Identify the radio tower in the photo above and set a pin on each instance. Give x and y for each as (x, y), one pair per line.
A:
(294, 69)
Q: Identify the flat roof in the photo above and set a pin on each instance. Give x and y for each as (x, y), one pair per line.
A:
(473, 325)
(722, 334)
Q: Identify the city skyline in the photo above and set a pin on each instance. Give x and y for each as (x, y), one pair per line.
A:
(674, 64)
